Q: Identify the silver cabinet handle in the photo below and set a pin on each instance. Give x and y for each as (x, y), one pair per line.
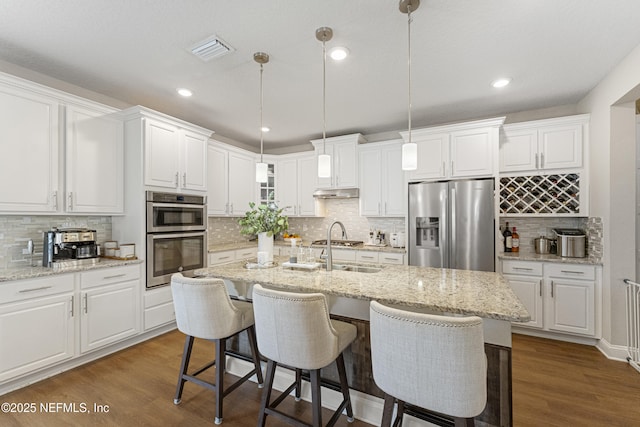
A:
(231, 208)
(385, 208)
(541, 160)
(42, 288)
(552, 289)
(366, 256)
(540, 287)
(184, 179)
(451, 167)
(70, 201)
(114, 276)
(537, 161)
(177, 179)
(444, 169)
(571, 272)
(72, 308)
(54, 196)
(523, 268)
(378, 208)
(86, 304)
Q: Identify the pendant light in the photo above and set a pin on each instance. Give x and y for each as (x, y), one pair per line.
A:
(324, 34)
(261, 167)
(409, 148)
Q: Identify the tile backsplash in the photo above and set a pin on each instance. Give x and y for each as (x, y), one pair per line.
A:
(226, 230)
(16, 230)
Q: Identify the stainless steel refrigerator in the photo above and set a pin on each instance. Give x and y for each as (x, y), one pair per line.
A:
(451, 224)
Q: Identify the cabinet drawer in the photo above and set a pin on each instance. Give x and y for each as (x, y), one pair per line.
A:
(391, 258)
(221, 257)
(367, 256)
(343, 254)
(25, 289)
(246, 253)
(158, 296)
(522, 268)
(106, 276)
(570, 271)
(159, 315)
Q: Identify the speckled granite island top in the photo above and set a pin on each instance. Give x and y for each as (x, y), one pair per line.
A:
(484, 294)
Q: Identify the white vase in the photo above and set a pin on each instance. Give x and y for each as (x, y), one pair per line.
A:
(265, 244)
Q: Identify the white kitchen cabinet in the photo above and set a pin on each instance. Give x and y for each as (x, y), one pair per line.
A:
(344, 160)
(456, 151)
(158, 307)
(232, 183)
(37, 326)
(110, 306)
(94, 145)
(174, 157)
(560, 298)
(223, 257)
(543, 145)
(382, 180)
(295, 183)
(381, 257)
(29, 139)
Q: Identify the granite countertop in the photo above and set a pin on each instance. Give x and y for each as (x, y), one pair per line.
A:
(532, 256)
(485, 294)
(21, 273)
(248, 244)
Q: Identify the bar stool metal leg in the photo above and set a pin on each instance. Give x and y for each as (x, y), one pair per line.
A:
(251, 332)
(387, 412)
(184, 365)
(344, 387)
(221, 346)
(298, 384)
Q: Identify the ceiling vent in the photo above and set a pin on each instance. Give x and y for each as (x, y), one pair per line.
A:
(213, 47)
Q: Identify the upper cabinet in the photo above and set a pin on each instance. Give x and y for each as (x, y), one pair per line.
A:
(95, 161)
(41, 127)
(344, 160)
(456, 151)
(295, 182)
(382, 190)
(543, 145)
(232, 183)
(175, 153)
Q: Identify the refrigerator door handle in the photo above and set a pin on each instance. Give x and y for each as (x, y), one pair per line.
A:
(444, 230)
(452, 235)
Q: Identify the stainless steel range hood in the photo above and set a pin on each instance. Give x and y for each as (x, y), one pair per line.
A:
(337, 193)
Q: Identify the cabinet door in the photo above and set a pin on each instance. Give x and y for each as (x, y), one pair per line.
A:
(393, 189)
(218, 185)
(346, 165)
(518, 150)
(242, 182)
(307, 175)
(35, 334)
(29, 143)
(560, 146)
(529, 292)
(287, 186)
(194, 161)
(161, 147)
(370, 182)
(433, 156)
(572, 306)
(109, 314)
(95, 162)
(472, 152)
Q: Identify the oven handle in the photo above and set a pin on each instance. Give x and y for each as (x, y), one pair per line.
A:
(175, 205)
(156, 236)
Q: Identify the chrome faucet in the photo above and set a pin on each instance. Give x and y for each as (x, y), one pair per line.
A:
(344, 237)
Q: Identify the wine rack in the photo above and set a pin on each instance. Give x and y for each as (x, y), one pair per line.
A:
(540, 194)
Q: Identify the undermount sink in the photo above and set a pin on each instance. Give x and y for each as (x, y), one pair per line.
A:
(356, 268)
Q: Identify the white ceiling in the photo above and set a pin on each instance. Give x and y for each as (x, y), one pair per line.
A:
(137, 51)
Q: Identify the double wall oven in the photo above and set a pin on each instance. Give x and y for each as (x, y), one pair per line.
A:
(176, 235)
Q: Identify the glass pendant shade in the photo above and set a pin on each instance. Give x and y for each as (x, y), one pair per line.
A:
(324, 166)
(409, 156)
(261, 172)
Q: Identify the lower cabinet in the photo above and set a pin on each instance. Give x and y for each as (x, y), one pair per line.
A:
(37, 326)
(559, 297)
(224, 257)
(158, 307)
(110, 306)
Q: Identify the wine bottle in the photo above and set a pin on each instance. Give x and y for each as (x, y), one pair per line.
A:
(508, 242)
(515, 241)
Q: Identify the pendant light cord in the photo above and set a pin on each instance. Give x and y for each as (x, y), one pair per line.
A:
(324, 98)
(409, 48)
(261, 126)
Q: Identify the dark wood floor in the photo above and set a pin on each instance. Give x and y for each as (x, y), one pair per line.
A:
(555, 384)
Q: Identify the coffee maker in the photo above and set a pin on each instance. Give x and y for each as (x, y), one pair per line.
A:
(68, 244)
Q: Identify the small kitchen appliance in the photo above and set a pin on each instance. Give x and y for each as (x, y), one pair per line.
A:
(397, 240)
(544, 245)
(69, 244)
(571, 242)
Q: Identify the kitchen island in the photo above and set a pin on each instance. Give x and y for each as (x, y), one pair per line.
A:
(432, 290)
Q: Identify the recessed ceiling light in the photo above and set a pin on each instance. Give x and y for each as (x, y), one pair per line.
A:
(265, 128)
(338, 53)
(501, 83)
(184, 92)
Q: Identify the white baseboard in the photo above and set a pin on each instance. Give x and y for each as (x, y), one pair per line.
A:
(612, 351)
(366, 408)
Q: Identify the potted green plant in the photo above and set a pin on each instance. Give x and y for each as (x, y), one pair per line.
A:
(265, 221)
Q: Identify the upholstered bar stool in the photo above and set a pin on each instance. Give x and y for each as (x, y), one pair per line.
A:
(295, 330)
(428, 361)
(204, 310)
